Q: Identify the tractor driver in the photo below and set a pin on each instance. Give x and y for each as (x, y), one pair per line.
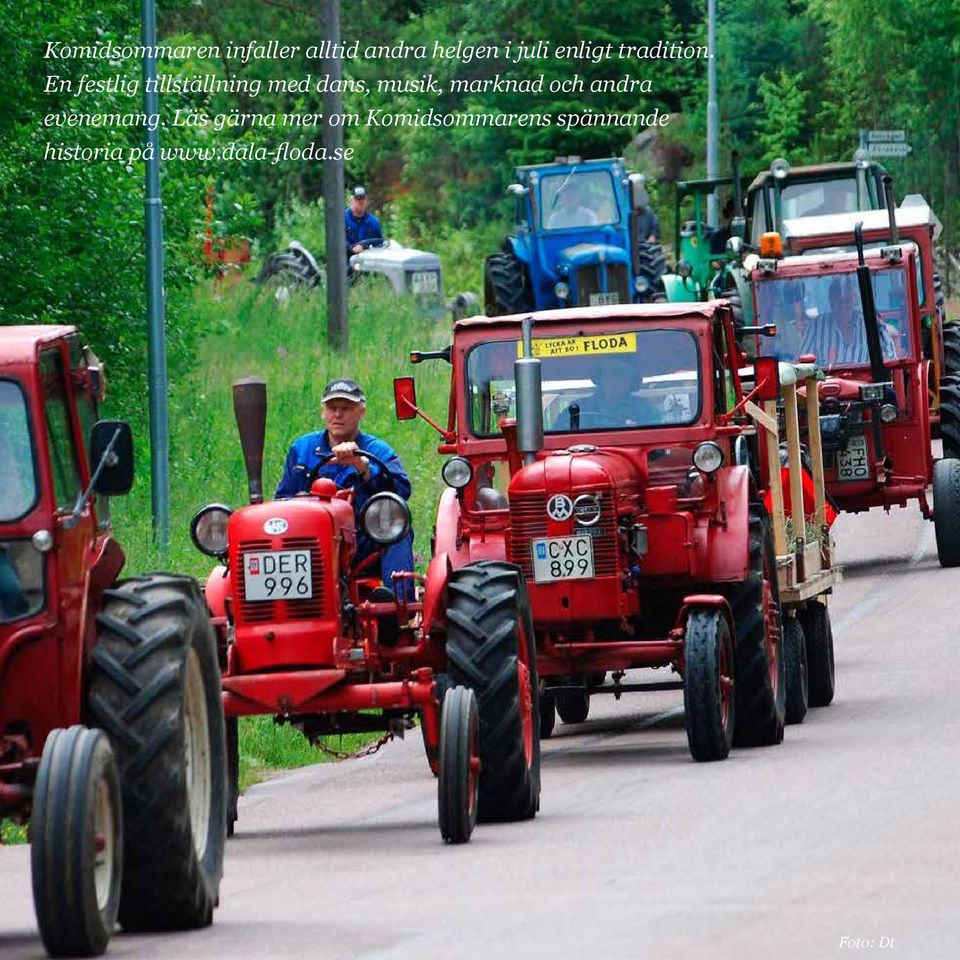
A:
(615, 404)
(344, 406)
(359, 223)
(572, 211)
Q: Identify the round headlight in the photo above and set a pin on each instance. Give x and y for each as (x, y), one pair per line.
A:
(888, 413)
(561, 290)
(456, 472)
(385, 518)
(208, 529)
(708, 457)
(641, 285)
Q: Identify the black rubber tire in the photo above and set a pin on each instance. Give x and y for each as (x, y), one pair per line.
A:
(457, 787)
(761, 704)
(506, 285)
(233, 772)
(950, 416)
(488, 611)
(707, 642)
(548, 714)
(651, 264)
(63, 835)
(155, 652)
(573, 707)
(946, 511)
(821, 670)
(951, 347)
(795, 668)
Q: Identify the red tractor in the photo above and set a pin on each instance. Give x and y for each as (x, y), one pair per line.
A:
(857, 312)
(606, 452)
(111, 731)
(312, 638)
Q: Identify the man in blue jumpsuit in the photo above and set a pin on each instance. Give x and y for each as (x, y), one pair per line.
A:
(344, 406)
(360, 224)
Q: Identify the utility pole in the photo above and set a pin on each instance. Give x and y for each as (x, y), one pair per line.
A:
(713, 112)
(156, 341)
(338, 336)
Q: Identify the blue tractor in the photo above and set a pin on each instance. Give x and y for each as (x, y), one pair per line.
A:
(585, 237)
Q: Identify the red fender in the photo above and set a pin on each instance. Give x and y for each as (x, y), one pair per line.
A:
(434, 609)
(217, 590)
(727, 556)
(705, 600)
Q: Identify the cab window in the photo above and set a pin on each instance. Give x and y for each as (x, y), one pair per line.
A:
(60, 439)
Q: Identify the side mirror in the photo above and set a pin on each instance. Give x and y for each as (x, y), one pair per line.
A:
(639, 197)
(111, 457)
(517, 189)
(405, 398)
(766, 373)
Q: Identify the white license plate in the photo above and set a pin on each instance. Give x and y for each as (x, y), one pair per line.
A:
(852, 463)
(277, 575)
(562, 558)
(603, 299)
(424, 282)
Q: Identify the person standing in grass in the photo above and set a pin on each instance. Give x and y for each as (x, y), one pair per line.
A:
(344, 407)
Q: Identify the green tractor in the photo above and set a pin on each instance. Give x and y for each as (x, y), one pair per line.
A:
(708, 259)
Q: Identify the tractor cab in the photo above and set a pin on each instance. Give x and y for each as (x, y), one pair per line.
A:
(576, 240)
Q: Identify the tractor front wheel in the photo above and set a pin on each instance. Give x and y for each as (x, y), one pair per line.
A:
(459, 774)
(708, 684)
(755, 603)
(506, 285)
(233, 772)
(155, 689)
(946, 510)
(795, 667)
(490, 648)
(573, 706)
(818, 635)
(77, 843)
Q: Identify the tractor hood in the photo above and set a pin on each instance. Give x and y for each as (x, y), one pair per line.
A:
(580, 255)
(396, 257)
(575, 471)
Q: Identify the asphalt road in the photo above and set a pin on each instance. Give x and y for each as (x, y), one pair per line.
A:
(842, 840)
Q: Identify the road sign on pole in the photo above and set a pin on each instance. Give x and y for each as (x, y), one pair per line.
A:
(887, 136)
(889, 149)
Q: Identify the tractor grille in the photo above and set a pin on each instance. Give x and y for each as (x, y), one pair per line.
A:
(528, 522)
(588, 282)
(265, 611)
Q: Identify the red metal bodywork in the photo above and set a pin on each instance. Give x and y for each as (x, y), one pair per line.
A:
(629, 614)
(323, 655)
(43, 657)
(906, 468)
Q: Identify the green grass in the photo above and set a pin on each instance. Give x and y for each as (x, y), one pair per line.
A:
(11, 832)
(286, 346)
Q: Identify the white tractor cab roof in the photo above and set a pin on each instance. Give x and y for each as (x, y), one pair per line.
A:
(913, 211)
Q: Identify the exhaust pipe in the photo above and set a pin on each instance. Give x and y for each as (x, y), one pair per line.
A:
(878, 371)
(250, 407)
(891, 207)
(527, 377)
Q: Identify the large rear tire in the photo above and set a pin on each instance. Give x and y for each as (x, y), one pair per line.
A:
(506, 285)
(795, 668)
(548, 714)
(946, 511)
(490, 648)
(708, 684)
(950, 415)
(459, 772)
(154, 687)
(755, 603)
(77, 843)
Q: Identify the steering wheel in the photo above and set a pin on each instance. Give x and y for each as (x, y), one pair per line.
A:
(372, 242)
(373, 458)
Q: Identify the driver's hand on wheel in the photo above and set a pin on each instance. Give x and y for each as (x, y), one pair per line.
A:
(357, 248)
(347, 454)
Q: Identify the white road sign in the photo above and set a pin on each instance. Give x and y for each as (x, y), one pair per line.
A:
(889, 149)
(886, 136)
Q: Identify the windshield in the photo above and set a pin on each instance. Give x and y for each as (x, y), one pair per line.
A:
(810, 200)
(851, 248)
(617, 381)
(18, 487)
(822, 316)
(577, 200)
